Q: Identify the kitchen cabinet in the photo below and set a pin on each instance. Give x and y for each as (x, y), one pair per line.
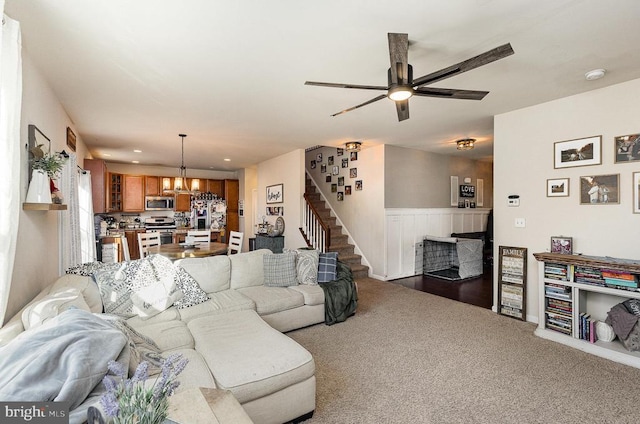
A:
(133, 196)
(152, 185)
(215, 187)
(99, 175)
(232, 196)
(114, 196)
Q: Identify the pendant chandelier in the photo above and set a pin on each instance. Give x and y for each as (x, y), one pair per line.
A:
(180, 183)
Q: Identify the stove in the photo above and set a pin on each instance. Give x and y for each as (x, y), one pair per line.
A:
(160, 223)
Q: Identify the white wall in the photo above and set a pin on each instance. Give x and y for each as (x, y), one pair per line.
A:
(248, 182)
(419, 179)
(523, 161)
(37, 249)
(287, 169)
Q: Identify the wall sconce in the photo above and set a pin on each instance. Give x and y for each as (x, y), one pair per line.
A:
(352, 146)
(466, 143)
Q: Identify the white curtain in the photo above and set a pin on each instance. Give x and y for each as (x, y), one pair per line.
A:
(10, 106)
(69, 225)
(87, 230)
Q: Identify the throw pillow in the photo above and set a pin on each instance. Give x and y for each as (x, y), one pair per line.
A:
(155, 298)
(51, 306)
(307, 266)
(115, 292)
(280, 270)
(191, 290)
(327, 267)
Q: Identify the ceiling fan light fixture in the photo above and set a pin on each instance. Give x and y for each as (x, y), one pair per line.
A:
(400, 93)
(352, 146)
(466, 143)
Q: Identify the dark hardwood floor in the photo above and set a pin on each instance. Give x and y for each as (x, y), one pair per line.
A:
(474, 291)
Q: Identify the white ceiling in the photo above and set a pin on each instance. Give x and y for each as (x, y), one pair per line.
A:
(230, 74)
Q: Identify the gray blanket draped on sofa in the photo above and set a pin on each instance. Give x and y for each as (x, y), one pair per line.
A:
(341, 297)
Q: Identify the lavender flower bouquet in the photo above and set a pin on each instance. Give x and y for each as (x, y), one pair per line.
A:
(128, 401)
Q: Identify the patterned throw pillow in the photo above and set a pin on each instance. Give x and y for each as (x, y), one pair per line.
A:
(193, 293)
(307, 266)
(280, 270)
(118, 286)
(327, 267)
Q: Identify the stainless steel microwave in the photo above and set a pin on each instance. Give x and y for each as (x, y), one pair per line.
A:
(159, 203)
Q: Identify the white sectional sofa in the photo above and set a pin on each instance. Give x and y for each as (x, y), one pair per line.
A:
(233, 341)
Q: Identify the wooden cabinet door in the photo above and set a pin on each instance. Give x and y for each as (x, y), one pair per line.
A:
(98, 169)
(216, 187)
(133, 199)
(233, 221)
(114, 193)
(183, 202)
(232, 194)
(152, 185)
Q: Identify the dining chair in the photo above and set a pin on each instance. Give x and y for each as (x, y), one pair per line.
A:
(235, 242)
(199, 237)
(146, 241)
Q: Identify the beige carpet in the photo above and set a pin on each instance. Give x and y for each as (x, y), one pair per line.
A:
(412, 357)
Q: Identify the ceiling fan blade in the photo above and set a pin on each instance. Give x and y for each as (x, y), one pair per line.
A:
(467, 65)
(402, 107)
(375, 99)
(338, 85)
(398, 57)
(450, 93)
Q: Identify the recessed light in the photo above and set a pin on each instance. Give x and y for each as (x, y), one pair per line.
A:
(135, 161)
(227, 160)
(595, 74)
(106, 154)
(137, 151)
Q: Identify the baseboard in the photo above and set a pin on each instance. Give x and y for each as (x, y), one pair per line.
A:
(301, 418)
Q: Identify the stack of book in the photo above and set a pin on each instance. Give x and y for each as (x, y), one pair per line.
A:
(588, 275)
(558, 291)
(555, 271)
(558, 311)
(620, 280)
(587, 328)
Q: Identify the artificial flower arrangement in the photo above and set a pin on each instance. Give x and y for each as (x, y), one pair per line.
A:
(50, 163)
(128, 401)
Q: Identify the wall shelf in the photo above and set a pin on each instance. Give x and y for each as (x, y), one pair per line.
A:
(43, 207)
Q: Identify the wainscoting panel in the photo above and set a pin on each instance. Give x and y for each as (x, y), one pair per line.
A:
(404, 228)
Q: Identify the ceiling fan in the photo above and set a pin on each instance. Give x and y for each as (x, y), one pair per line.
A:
(401, 84)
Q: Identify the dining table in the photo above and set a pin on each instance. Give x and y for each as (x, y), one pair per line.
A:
(175, 251)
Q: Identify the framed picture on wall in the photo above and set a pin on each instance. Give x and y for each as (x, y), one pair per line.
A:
(636, 192)
(71, 139)
(627, 148)
(600, 189)
(558, 187)
(579, 152)
(275, 193)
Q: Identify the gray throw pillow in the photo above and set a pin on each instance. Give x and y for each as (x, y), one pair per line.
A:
(327, 267)
(280, 270)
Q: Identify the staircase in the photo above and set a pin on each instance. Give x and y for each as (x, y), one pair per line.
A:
(338, 242)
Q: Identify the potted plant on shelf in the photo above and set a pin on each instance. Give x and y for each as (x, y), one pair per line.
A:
(46, 167)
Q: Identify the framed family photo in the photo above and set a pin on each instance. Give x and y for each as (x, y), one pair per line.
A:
(558, 187)
(561, 244)
(600, 189)
(579, 152)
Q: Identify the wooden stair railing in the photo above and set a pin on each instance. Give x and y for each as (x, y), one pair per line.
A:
(316, 233)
